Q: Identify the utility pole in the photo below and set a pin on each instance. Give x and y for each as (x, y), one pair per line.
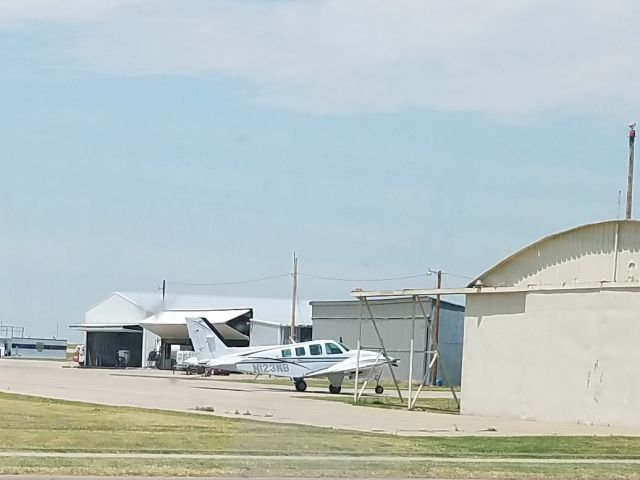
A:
(294, 295)
(632, 139)
(164, 290)
(436, 329)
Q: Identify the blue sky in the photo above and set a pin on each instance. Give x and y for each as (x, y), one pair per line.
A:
(205, 141)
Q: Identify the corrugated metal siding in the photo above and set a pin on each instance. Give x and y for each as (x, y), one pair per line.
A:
(583, 255)
(102, 347)
(264, 334)
(340, 321)
(451, 337)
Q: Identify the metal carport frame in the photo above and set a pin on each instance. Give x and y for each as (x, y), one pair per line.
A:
(363, 297)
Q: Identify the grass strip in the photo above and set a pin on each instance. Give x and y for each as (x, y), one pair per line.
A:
(311, 469)
(42, 424)
(434, 405)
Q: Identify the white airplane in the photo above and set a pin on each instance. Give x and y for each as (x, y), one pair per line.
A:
(317, 358)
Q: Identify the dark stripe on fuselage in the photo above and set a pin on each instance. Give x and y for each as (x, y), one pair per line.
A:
(294, 360)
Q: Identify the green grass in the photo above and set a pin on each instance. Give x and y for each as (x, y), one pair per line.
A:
(279, 468)
(436, 405)
(315, 382)
(42, 424)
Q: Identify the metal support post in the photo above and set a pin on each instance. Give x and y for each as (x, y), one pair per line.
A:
(411, 349)
(366, 380)
(355, 387)
(436, 327)
(424, 380)
(437, 349)
(384, 350)
(410, 373)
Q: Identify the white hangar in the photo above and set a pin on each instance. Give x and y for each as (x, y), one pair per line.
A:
(553, 331)
(140, 323)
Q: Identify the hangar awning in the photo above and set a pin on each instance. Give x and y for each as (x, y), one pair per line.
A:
(173, 324)
(107, 327)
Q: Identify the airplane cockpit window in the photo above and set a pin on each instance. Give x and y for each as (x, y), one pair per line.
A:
(315, 349)
(300, 352)
(332, 349)
(286, 352)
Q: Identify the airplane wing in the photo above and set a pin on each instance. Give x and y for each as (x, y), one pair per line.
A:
(350, 365)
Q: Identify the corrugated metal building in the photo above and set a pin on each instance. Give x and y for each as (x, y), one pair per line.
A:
(263, 332)
(552, 331)
(340, 320)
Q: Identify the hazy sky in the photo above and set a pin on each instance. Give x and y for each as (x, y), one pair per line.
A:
(204, 141)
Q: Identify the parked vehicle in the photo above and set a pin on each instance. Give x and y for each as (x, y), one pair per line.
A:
(78, 355)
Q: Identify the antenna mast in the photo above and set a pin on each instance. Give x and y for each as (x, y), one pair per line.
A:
(632, 139)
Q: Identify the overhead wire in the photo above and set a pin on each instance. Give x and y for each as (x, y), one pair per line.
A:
(336, 279)
(457, 275)
(430, 272)
(317, 277)
(238, 282)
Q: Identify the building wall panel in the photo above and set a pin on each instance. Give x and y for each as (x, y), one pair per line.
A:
(115, 309)
(565, 357)
(41, 348)
(341, 321)
(264, 334)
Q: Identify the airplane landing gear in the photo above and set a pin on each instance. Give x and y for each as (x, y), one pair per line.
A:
(335, 390)
(300, 384)
(379, 389)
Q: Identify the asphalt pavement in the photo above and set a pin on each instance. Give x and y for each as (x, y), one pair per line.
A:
(273, 403)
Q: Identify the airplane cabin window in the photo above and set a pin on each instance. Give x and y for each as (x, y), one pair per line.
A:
(300, 352)
(332, 349)
(286, 352)
(315, 349)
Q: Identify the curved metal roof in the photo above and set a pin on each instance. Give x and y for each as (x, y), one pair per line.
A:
(588, 239)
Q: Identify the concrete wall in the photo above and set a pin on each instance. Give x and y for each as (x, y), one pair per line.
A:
(564, 356)
(340, 320)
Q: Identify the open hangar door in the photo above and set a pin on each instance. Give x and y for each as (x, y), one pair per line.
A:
(170, 326)
(121, 348)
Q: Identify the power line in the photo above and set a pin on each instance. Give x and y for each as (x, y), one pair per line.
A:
(238, 282)
(457, 276)
(434, 272)
(336, 279)
(317, 277)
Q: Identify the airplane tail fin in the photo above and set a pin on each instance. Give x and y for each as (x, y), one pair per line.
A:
(198, 337)
(204, 339)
